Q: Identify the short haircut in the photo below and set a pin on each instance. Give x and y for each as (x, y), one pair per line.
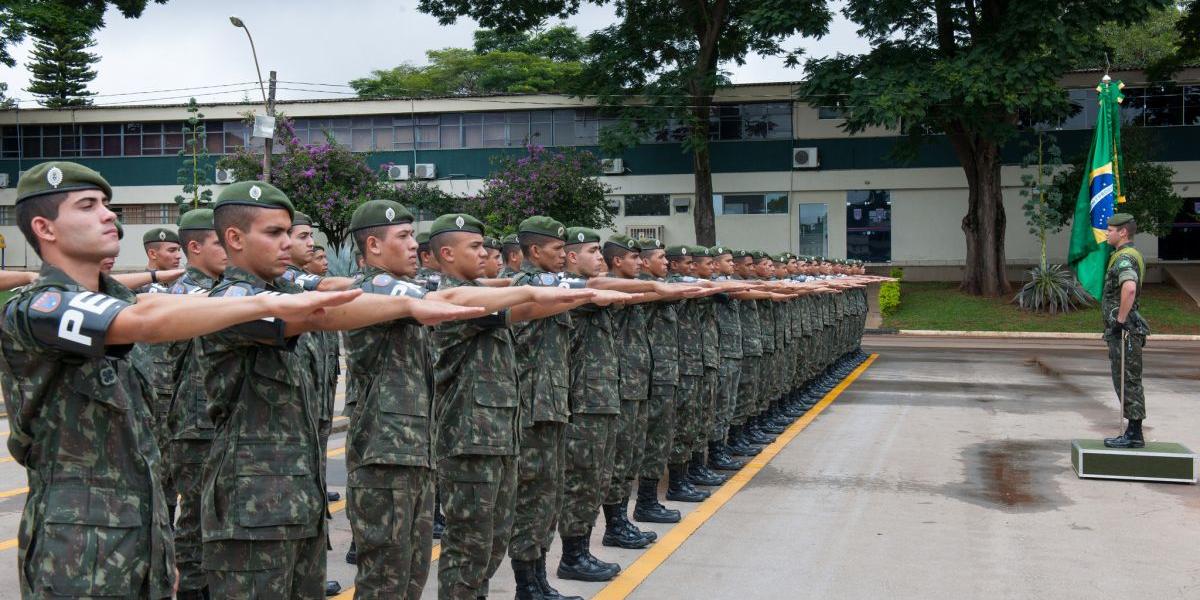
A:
(361, 235)
(1130, 228)
(611, 252)
(45, 206)
(158, 246)
(442, 240)
(234, 215)
(188, 236)
(528, 240)
(509, 250)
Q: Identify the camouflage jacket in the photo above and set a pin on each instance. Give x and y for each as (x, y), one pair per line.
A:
(262, 480)
(633, 340)
(475, 402)
(752, 344)
(95, 520)
(766, 331)
(691, 335)
(389, 363)
(1126, 264)
(187, 418)
(662, 322)
(542, 347)
(313, 348)
(710, 333)
(161, 363)
(594, 365)
(430, 278)
(729, 324)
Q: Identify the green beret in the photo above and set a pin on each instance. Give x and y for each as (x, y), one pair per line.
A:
(678, 251)
(623, 242)
(255, 193)
(649, 244)
(299, 218)
(197, 219)
(720, 251)
(510, 240)
(1119, 219)
(423, 238)
(543, 226)
(699, 251)
(59, 176)
(491, 243)
(455, 222)
(120, 230)
(380, 213)
(159, 234)
(782, 257)
(582, 235)
(741, 253)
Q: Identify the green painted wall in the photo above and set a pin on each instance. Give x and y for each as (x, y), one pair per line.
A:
(849, 153)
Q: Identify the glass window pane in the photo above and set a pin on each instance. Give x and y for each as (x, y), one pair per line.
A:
(342, 136)
(473, 136)
(91, 128)
(1133, 109)
(403, 138)
(542, 134)
(518, 117)
(472, 118)
(647, 205)
(777, 203)
(50, 147)
(1164, 106)
(382, 122)
(383, 139)
(112, 145)
(337, 123)
(172, 142)
(814, 229)
(450, 119)
(451, 136)
(234, 139)
(361, 122)
(869, 225)
(361, 140)
(215, 142)
(133, 145)
(172, 127)
(495, 136)
(743, 204)
(1191, 105)
(427, 120)
(427, 137)
(541, 116)
(112, 128)
(489, 118)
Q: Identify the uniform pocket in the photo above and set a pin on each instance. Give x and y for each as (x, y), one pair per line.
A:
(275, 486)
(491, 421)
(400, 428)
(92, 543)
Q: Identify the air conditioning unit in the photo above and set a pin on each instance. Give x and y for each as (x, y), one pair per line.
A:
(425, 171)
(225, 176)
(398, 173)
(805, 158)
(3, 180)
(638, 232)
(612, 166)
(681, 204)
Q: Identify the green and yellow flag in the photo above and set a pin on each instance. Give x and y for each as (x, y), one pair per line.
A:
(1099, 193)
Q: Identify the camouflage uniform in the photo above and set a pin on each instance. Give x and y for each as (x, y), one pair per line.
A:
(691, 372)
(633, 345)
(264, 505)
(390, 474)
(710, 347)
(314, 349)
(95, 520)
(752, 358)
(663, 326)
(591, 444)
(1126, 264)
(729, 326)
(475, 411)
(190, 434)
(766, 366)
(542, 348)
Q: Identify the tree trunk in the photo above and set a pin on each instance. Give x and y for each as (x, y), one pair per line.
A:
(702, 211)
(984, 272)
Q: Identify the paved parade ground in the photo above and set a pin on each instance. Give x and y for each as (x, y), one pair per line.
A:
(941, 472)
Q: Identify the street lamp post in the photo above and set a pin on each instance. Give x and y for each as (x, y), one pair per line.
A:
(268, 101)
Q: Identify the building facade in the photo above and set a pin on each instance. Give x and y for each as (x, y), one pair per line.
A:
(785, 175)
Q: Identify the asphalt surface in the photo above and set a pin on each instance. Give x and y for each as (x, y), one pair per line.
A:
(942, 472)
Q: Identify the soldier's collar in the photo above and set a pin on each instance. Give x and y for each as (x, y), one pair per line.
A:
(52, 275)
(199, 277)
(233, 273)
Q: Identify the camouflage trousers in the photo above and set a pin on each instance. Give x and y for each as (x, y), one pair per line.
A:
(767, 380)
(725, 402)
(477, 499)
(660, 431)
(187, 470)
(630, 436)
(591, 445)
(687, 418)
(1135, 396)
(747, 390)
(539, 490)
(708, 409)
(267, 568)
(393, 533)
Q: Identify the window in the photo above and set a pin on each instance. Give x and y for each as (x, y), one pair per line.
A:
(728, 122)
(8, 215)
(750, 204)
(869, 225)
(648, 205)
(814, 229)
(830, 112)
(146, 214)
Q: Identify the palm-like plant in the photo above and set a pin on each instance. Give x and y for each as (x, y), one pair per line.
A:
(1053, 289)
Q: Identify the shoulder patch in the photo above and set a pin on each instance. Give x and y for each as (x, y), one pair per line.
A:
(235, 291)
(289, 275)
(382, 279)
(547, 279)
(46, 302)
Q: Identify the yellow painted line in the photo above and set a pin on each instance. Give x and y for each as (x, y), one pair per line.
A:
(14, 492)
(336, 452)
(348, 594)
(632, 577)
(7, 459)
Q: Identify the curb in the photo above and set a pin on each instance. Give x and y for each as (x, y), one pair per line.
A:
(1036, 335)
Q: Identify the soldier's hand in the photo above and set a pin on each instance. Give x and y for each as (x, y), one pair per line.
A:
(606, 297)
(691, 291)
(169, 275)
(554, 295)
(297, 307)
(432, 312)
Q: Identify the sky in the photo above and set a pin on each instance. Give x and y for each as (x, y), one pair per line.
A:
(188, 48)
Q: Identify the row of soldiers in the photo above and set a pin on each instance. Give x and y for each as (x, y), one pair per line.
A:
(528, 401)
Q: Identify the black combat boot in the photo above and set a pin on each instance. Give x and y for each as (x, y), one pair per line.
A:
(646, 533)
(576, 564)
(587, 551)
(200, 594)
(1132, 438)
(352, 555)
(616, 533)
(776, 416)
(648, 509)
(678, 487)
(738, 444)
(719, 458)
(756, 434)
(548, 591)
(700, 474)
(332, 588)
(525, 572)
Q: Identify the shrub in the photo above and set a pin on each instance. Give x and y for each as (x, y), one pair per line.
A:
(896, 273)
(1051, 289)
(889, 297)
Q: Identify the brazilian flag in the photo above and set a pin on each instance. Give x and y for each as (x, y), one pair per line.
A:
(1099, 193)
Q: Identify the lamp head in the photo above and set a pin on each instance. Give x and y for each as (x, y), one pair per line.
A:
(236, 21)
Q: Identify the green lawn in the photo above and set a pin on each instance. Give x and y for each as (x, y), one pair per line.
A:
(942, 306)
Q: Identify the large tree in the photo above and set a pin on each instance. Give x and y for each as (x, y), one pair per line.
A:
(61, 66)
(970, 71)
(665, 53)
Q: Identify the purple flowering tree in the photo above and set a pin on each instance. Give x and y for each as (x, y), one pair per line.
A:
(326, 181)
(559, 183)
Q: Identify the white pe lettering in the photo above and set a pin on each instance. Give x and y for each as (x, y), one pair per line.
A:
(92, 302)
(71, 326)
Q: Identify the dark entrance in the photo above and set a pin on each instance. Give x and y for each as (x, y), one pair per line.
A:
(1183, 243)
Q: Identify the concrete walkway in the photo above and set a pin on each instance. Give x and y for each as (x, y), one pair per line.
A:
(1186, 278)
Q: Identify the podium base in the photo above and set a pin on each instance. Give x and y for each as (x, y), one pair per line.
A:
(1158, 461)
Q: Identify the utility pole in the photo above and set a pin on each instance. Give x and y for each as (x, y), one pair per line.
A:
(271, 138)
